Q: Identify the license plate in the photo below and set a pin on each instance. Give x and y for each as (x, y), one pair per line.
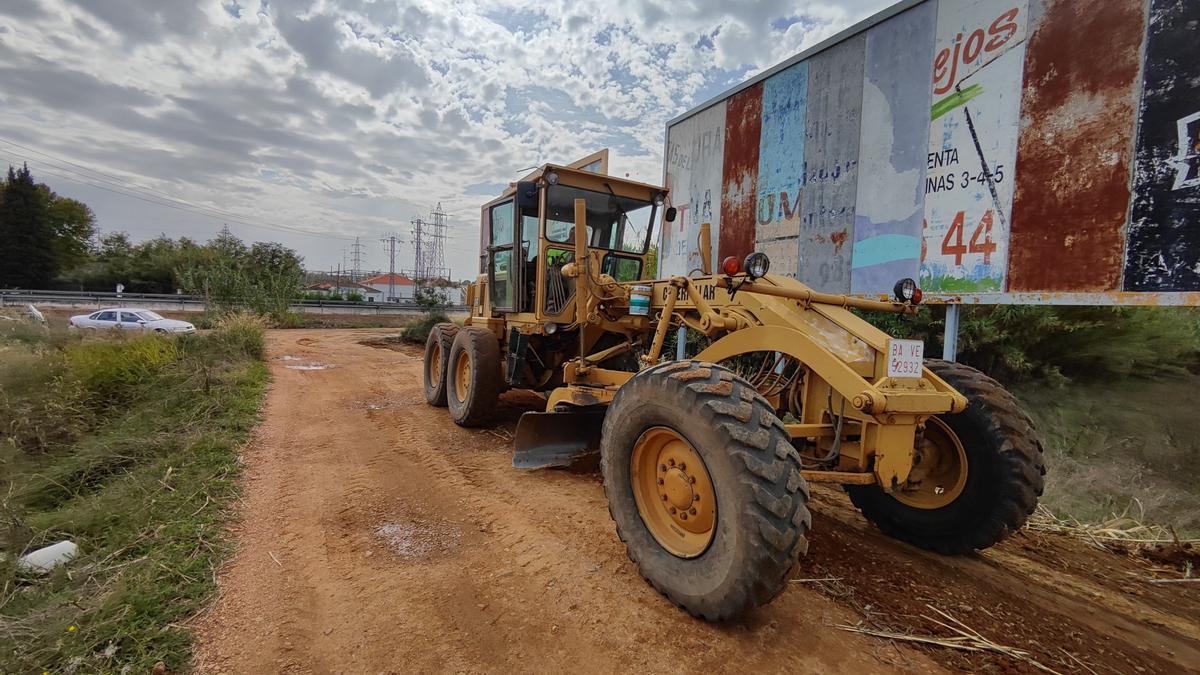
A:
(906, 358)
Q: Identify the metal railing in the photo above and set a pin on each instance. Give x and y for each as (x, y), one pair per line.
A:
(14, 296)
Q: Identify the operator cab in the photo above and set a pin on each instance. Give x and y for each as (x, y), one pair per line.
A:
(528, 235)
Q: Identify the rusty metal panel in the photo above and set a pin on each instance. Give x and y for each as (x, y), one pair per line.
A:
(832, 128)
(977, 74)
(892, 156)
(1073, 157)
(781, 167)
(695, 151)
(1164, 233)
(743, 133)
(1040, 181)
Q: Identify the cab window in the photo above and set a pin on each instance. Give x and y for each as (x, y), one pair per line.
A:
(502, 269)
(615, 223)
(622, 268)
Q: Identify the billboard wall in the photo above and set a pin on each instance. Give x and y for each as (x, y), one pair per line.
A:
(1033, 151)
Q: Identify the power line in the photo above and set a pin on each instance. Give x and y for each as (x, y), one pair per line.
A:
(94, 174)
(145, 194)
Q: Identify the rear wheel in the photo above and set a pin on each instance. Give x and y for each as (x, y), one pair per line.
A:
(473, 376)
(978, 475)
(437, 353)
(704, 487)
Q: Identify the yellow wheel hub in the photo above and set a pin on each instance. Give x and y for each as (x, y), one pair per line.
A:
(462, 375)
(939, 469)
(435, 365)
(673, 492)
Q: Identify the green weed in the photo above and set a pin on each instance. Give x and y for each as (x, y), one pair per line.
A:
(141, 483)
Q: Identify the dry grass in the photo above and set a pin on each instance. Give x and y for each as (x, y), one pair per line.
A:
(1124, 528)
(962, 637)
(1130, 447)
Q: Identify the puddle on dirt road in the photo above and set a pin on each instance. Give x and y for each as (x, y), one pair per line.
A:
(416, 539)
(311, 365)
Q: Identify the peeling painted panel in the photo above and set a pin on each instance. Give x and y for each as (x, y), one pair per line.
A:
(743, 133)
(977, 71)
(892, 156)
(1164, 232)
(1073, 158)
(832, 128)
(695, 148)
(781, 167)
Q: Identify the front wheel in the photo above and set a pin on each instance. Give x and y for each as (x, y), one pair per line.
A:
(977, 477)
(704, 487)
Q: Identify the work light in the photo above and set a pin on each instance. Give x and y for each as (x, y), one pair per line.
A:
(906, 291)
(757, 265)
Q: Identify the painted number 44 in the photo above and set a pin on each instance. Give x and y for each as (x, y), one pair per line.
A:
(981, 239)
(906, 358)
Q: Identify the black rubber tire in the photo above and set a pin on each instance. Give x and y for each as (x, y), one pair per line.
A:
(762, 513)
(442, 335)
(483, 350)
(1004, 473)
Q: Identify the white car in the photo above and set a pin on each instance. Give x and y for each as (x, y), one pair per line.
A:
(125, 318)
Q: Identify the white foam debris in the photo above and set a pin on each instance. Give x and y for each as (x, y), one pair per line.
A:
(45, 559)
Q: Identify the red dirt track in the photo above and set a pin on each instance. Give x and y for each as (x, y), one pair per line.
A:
(377, 536)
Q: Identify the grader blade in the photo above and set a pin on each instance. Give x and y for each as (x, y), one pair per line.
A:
(557, 439)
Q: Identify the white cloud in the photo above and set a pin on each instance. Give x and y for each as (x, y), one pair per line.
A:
(349, 118)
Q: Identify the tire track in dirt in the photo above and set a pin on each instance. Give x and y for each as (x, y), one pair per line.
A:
(496, 569)
(528, 574)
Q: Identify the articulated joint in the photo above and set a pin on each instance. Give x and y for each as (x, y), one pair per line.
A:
(869, 402)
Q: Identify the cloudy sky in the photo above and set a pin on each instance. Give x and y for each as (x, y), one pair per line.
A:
(313, 122)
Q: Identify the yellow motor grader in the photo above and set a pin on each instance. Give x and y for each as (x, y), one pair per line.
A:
(706, 461)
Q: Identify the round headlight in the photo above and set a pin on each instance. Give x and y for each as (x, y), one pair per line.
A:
(906, 290)
(550, 327)
(659, 199)
(552, 177)
(757, 265)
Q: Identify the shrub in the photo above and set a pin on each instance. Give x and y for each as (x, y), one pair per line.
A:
(418, 331)
(1014, 343)
(241, 334)
(290, 320)
(111, 371)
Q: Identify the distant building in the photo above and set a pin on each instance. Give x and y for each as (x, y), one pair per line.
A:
(400, 285)
(342, 289)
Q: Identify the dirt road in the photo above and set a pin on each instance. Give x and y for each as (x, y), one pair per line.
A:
(379, 537)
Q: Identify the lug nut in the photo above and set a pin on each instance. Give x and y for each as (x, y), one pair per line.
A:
(692, 511)
(662, 468)
(682, 466)
(672, 510)
(683, 516)
(660, 481)
(692, 479)
(664, 498)
(671, 462)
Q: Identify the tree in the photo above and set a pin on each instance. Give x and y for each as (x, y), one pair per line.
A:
(73, 226)
(27, 256)
(264, 278)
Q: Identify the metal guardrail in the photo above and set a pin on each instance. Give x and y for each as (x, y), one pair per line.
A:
(12, 296)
